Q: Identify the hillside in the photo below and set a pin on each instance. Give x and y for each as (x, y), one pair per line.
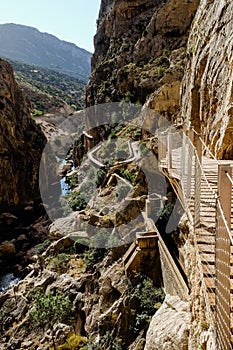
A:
(48, 90)
(29, 45)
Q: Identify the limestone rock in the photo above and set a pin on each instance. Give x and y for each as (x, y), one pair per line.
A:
(169, 328)
(62, 332)
(133, 45)
(63, 226)
(208, 82)
(21, 144)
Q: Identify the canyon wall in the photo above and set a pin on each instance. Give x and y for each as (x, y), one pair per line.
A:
(21, 145)
(139, 50)
(207, 90)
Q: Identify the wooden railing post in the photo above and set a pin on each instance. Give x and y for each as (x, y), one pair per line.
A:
(222, 257)
(169, 151)
(225, 190)
(198, 162)
(183, 156)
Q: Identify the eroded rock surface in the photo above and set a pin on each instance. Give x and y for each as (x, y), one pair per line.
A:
(207, 99)
(169, 328)
(21, 144)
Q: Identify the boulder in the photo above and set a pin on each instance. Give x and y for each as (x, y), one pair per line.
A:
(7, 248)
(7, 219)
(169, 328)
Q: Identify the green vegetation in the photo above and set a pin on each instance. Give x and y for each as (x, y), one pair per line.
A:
(100, 177)
(37, 112)
(128, 175)
(74, 342)
(76, 201)
(47, 88)
(122, 192)
(40, 248)
(49, 309)
(145, 298)
(59, 262)
(72, 180)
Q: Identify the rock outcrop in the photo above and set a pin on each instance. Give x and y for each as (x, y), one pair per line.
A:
(21, 145)
(169, 328)
(133, 48)
(207, 91)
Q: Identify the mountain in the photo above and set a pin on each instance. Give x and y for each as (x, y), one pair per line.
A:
(48, 90)
(29, 45)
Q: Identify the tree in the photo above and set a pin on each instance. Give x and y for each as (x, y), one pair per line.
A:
(49, 309)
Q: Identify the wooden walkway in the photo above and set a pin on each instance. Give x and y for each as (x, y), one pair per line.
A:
(205, 233)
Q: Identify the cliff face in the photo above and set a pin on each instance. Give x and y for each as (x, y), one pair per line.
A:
(21, 144)
(207, 97)
(133, 48)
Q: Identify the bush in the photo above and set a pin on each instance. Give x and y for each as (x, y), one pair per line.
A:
(49, 309)
(37, 112)
(76, 201)
(60, 261)
(122, 192)
(100, 177)
(74, 342)
(40, 248)
(92, 256)
(72, 180)
(147, 298)
(128, 175)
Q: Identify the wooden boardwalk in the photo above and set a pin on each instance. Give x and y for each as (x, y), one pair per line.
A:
(205, 232)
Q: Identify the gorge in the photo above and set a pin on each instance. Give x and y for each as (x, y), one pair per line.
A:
(172, 61)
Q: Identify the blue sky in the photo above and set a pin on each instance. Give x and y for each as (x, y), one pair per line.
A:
(70, 20)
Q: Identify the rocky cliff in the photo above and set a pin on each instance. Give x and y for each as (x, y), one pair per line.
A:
(21, 145)
(139, 49)
(207, 97)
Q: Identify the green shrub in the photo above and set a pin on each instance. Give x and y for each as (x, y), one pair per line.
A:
(160, 72)
(122, 192)
(37, 112)
(128, 175)
(40, 248)
(72, 180)
(146, 297)
(92, 256)
(100, 177)
(60, 261)
(50, 309)
(76, 201)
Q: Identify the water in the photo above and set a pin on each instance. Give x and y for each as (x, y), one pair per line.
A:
(6, 281)
(64, 186)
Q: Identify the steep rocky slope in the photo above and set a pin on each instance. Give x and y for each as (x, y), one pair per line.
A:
(207, 98)
(21, 142)
(140, 47)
